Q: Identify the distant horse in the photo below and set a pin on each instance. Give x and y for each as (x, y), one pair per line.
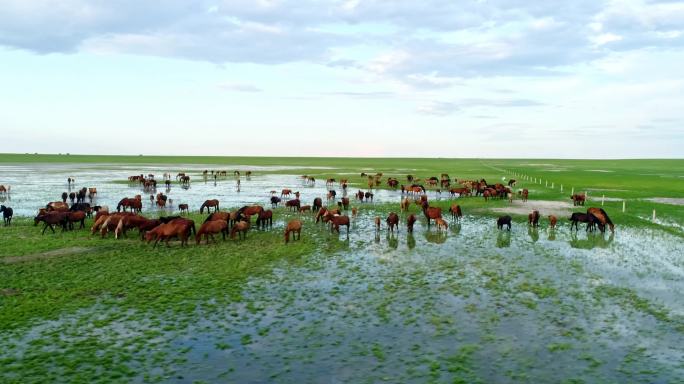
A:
(274, 201)
(533, 218)
(330, 181)
(293, 204)
(331, 194)
(345, 203)
(185, 180)
(7, 214)
(552, 221)
(264, 219)
(59, 206)
(369, 196)
(304, 208)
(405, 203)
(4, 190)
(578, 199)
(378, 220)
(393, 221)
(524, 194)
(588, 218)
(72, 197)
(285, 193)
(503, 220)
(65, 196)
(294, 227)
(184, 208)
(359, 195)
(410, 222)
(512, 182)
(455, 210)
(208, 204)
(603, 218)
(431, 213)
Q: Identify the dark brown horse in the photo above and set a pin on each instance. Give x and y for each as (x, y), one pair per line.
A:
(293, 204)
(51, 219)
(208, 204)
(76, 217)
(336, 221)
(317, 204)
(241, 228)
(578, 199)
(588, 218)
(166, 231)
(265, 218)
(392, 221)
(533, 218)
(294, 227)
(7, 214)
(455, 210)
(503, 220)
(274, 201)
(183, 208)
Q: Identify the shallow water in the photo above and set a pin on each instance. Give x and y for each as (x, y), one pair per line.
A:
(34, 185)
(473, 303)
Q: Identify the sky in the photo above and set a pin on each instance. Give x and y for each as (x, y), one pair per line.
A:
(486, 79)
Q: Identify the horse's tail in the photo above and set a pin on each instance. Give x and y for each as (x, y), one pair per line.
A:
(192, 228)
(208, 218)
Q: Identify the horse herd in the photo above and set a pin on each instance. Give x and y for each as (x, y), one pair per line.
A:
(237, 223)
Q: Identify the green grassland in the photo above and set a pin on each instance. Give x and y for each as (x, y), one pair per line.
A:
(51, 276)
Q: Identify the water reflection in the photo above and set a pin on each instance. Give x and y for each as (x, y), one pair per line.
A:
(436, 237)
(593, 240)
(533, 232)
(503, 240)
(410, 241)
(552, 234)
(392, 240)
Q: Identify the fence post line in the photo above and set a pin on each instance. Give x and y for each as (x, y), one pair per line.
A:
(603, 198)
(623, 206)
(573, 191)
(654, 215)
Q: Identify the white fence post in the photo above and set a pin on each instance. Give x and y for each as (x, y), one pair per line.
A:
(603, 198)
(623, 206)
(654, 215)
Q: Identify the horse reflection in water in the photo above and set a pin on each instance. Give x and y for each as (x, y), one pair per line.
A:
(503, 240)
(593, 240)
(534, 233)
(392, 240)
(410, 241)
(437, 237)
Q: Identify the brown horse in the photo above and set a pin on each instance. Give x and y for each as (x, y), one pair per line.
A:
(304, 208)
(331, 195)
(410, 222)
(345, 203)
(183, 208)
(250, 210)
(264, 219)
(578, 199)
(603, 218)
(241, 228)
(166, 231)
(293, 204)
(405, 204)
(58, 206)
(208, 204)
(294, 227)
(378, 220)
(552, 221)
(524, 194)
(533, 218)
(369, 196)
(317, 204)
(126, 203)
(431, 213)
(337, 221)
(588, 218)
(51, 219)
(503, 220)
(359, 195)
(393, 221)
(285, 193)
(455, 210)
(76, 217)
(211, 228)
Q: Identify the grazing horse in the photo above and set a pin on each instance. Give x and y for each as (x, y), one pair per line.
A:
(459, 191)
(331, 194)
(321, 214)
(51, 219)
(345, 203)
(184, 208)
(294, 227)
(58, 206)
(274, 201)
(317, 204)
(602, 217)
(455, 210)
(208, 204)
(249, 210)
(337, 221)
(166, 231)
(293, 204)
(128, 203)
(264, 219)
(512, 182)
(410, 222)
(305, 208)
(503, 220)
(285, 193)
(578, 199)
(392, 221)
(552, 221)
(588, 218)
(7, 214)
(211, 228)
(441, 224)
(431, 213)
(533, 218)
(241, 228)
